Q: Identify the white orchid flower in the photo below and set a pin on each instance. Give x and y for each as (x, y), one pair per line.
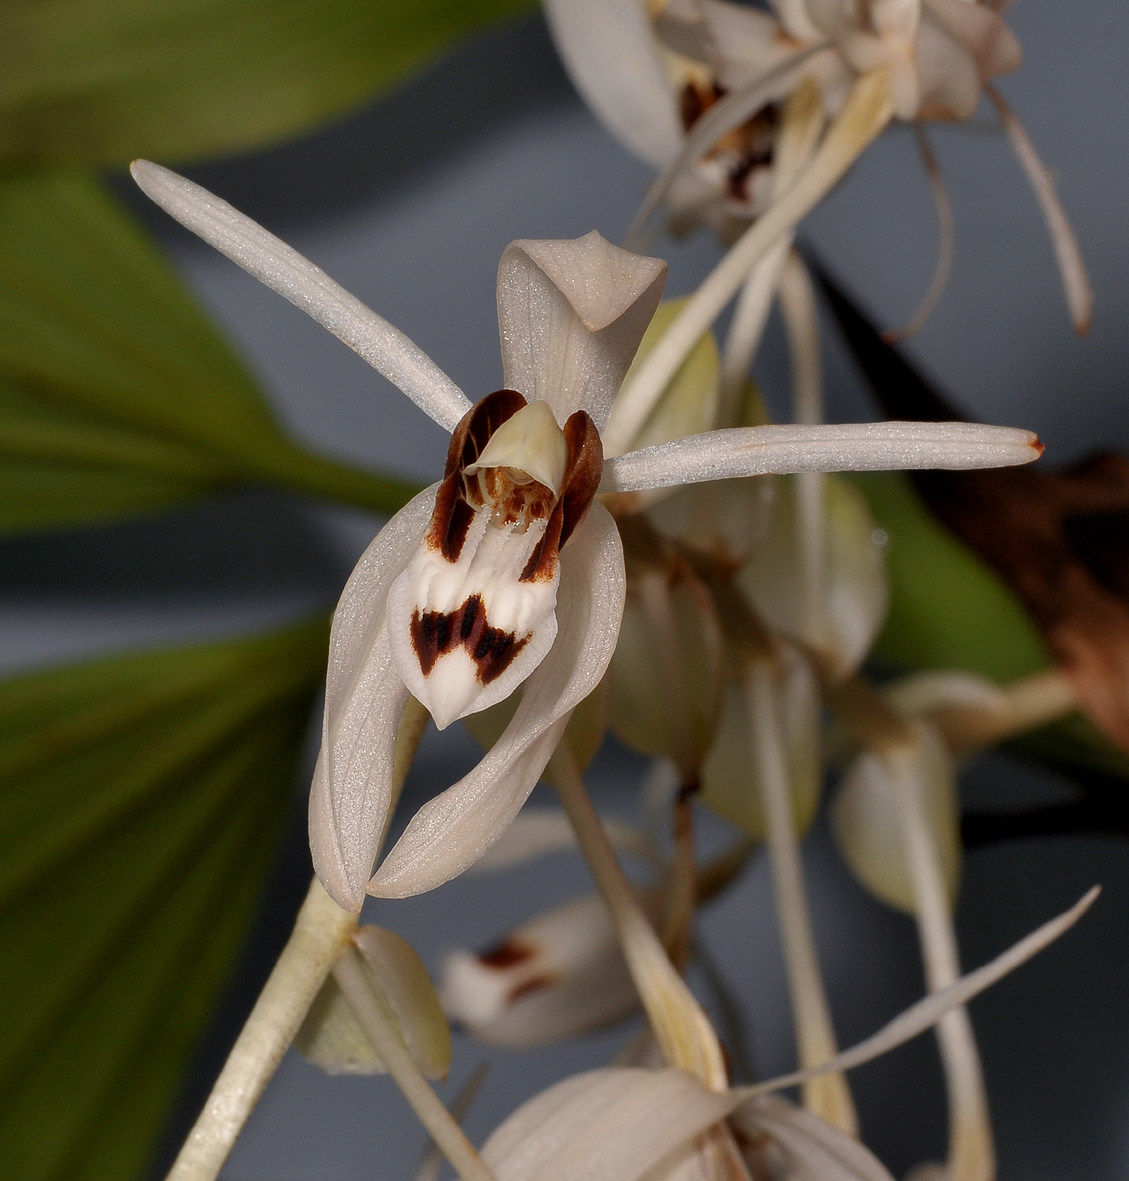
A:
(506, 573)
(695, 87)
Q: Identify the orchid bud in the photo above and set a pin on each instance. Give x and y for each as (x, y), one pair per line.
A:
(867, 827)
(560, 975)
(853, 585)
(729, 773)
(721, 522)
(331, 1036)
(666, 671)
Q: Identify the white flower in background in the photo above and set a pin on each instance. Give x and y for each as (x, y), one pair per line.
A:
(698, 89)
(506, 572)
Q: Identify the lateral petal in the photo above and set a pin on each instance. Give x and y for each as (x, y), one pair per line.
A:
(450, 832)
(364, 697)
(613, 59)
(308, 287)
(849, 447)
(571, 315)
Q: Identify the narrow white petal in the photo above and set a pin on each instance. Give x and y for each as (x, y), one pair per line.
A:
(450, 832)
(1075, 281)
(929, 1010)
(308, 287)
(607, 1125)
(364, 697)
(571, 315)
(613, 59)
(849, 447)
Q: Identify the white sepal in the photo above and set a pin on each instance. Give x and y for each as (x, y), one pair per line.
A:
(560, 975)
(867, 827)
(846, 447)
(607, 1125)
(450, 832)
(283, 269)
(364, 697)
(571, 314)
(613, 59)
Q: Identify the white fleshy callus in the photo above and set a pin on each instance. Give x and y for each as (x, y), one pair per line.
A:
(560, 975)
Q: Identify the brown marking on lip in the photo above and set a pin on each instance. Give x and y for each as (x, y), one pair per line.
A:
(506, 954)
(545, 980)
(435, 633)
(744, 149)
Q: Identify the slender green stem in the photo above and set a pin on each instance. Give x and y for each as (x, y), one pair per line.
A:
(321, 931)
(682, 1029)
(439, 1122)
(971, 1152)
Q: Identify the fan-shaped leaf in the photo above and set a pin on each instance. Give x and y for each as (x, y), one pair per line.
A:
(104, 81)
(140, 800)
(116, 394)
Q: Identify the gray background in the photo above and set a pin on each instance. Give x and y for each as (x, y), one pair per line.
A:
(409, 204)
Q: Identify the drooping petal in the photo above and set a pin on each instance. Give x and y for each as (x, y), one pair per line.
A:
(948, 79)
(450, 832)
(812, 1148)
(607, 1125)
(864, 446)
(868, 830)
(364, 698)
(559, 975)
(571, 315)
(983, 33)
(308, 287)
(614, 61)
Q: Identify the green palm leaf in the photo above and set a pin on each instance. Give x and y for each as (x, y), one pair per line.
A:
(140, 802)
(104, 81)
(116, 393)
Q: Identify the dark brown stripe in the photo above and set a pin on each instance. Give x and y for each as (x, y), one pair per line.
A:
(435, 633)
(507, 954)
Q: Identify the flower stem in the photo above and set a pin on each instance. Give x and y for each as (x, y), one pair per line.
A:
(971, 1153)
(321, 931)
(439, 1122)
(828, 1095)
(682, 1029)
(682, 880)
(865, 113)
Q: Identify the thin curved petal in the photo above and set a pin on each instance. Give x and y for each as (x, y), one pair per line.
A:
(850, 447)
(613, 59)
(364, 697)
(930, 1009)
(571, 314)
(983, 33)
(607, 1125)
(450, 832)
(308, 287)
